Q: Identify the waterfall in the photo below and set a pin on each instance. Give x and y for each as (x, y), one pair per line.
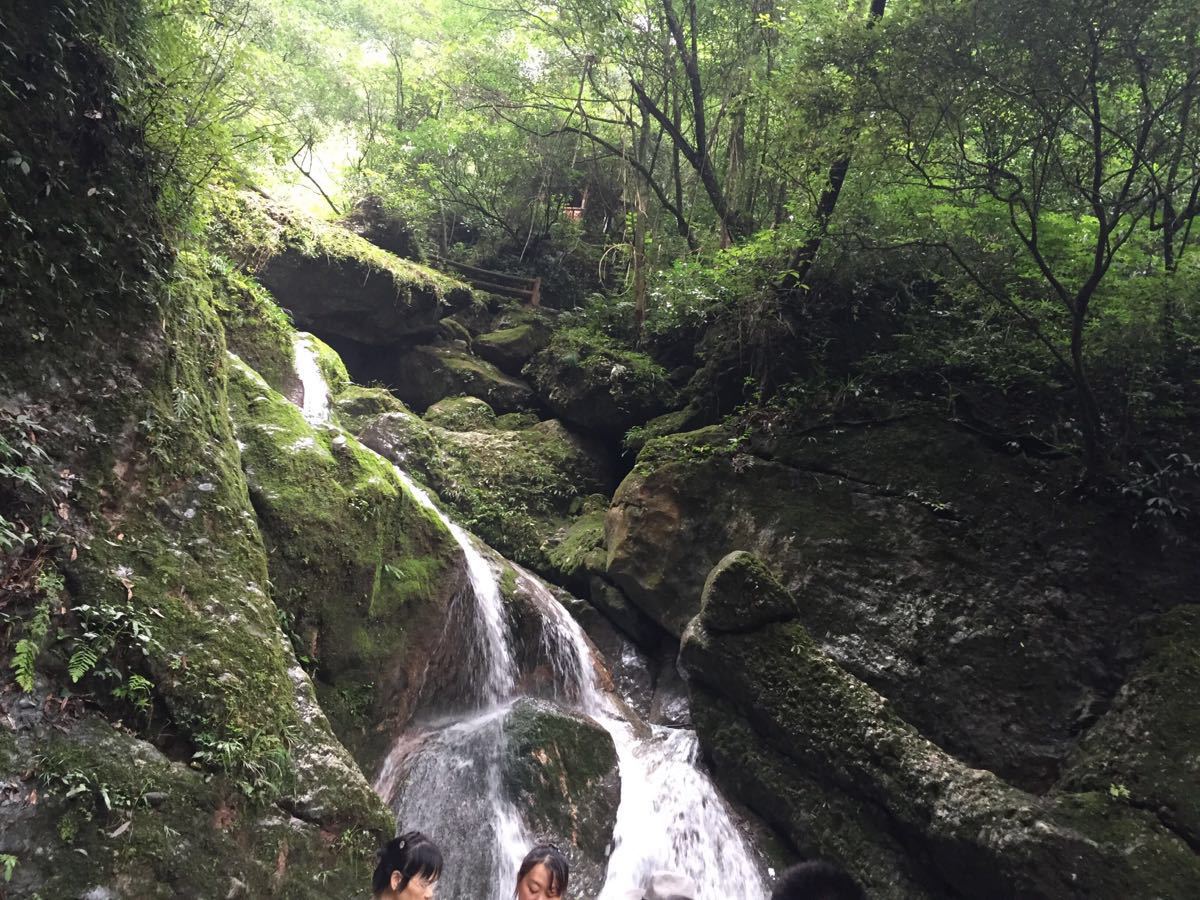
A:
(671, 816)
(444, 777)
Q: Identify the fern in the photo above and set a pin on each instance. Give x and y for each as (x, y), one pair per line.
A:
(24, 658)
(82, 661)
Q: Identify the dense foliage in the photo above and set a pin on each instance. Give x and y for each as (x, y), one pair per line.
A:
(997, 194)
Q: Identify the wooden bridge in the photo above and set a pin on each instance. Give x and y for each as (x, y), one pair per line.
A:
(516, 286)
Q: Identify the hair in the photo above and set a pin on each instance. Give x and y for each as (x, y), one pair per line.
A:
(555, 862)
(412, 854)
(816, 881)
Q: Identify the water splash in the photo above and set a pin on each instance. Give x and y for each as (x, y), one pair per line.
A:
(671, 817)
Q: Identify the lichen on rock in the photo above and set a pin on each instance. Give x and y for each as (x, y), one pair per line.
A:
(975, 834)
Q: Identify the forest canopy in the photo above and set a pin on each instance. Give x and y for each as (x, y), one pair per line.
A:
(1015, 186)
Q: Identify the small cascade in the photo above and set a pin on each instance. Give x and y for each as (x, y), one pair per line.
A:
(444, 776)
(314, 403)
(671, 816)
(451, 785)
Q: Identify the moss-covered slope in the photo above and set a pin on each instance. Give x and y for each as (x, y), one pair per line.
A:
(159, 737)
(360, 571)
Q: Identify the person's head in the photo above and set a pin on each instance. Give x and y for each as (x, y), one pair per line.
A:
(816, 881)
(543, 874)
(407, 868)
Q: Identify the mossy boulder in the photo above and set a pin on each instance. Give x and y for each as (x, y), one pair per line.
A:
(589, 381)
(741, 595)
(687, 419)
(509, 349)
(104, 811)
(421, 376)
(461, 414)
(965, 830)
(333, 281)
(577, 551)
(515, 489)
(362, 572)
(355, 405)
(996, 638)
(561, 769)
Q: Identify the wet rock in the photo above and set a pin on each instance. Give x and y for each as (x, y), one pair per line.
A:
(562, 771)
(965, 830)
(1142, 751)
(924, 579)
(610, 600)
(670, 705)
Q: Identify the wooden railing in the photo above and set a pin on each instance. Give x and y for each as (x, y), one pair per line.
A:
(516, 286)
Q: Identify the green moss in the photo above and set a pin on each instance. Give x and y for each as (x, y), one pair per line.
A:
(461, 414)
(590, 380)
(356, 563)
(250, 228)
(331, 366)
(687, 448)
(581, 549)
(256, 329)
(516, 421)
(356, 405)
(666, 424)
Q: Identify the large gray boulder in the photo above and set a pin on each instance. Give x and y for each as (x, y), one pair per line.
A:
(998, 617)
(832, 764)
(561, 770)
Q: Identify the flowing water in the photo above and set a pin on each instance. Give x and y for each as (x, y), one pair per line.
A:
(444, 776)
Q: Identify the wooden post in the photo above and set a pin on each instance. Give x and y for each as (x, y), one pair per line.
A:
(536, 297)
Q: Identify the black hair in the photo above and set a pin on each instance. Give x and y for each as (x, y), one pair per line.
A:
(555, 862)
(816, 881)
(411, 854)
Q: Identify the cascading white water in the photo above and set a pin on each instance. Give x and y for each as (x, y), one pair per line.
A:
(671, 817)
(445, 778)
(314, 404)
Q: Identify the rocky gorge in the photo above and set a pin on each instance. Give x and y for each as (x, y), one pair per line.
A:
(323, 543)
